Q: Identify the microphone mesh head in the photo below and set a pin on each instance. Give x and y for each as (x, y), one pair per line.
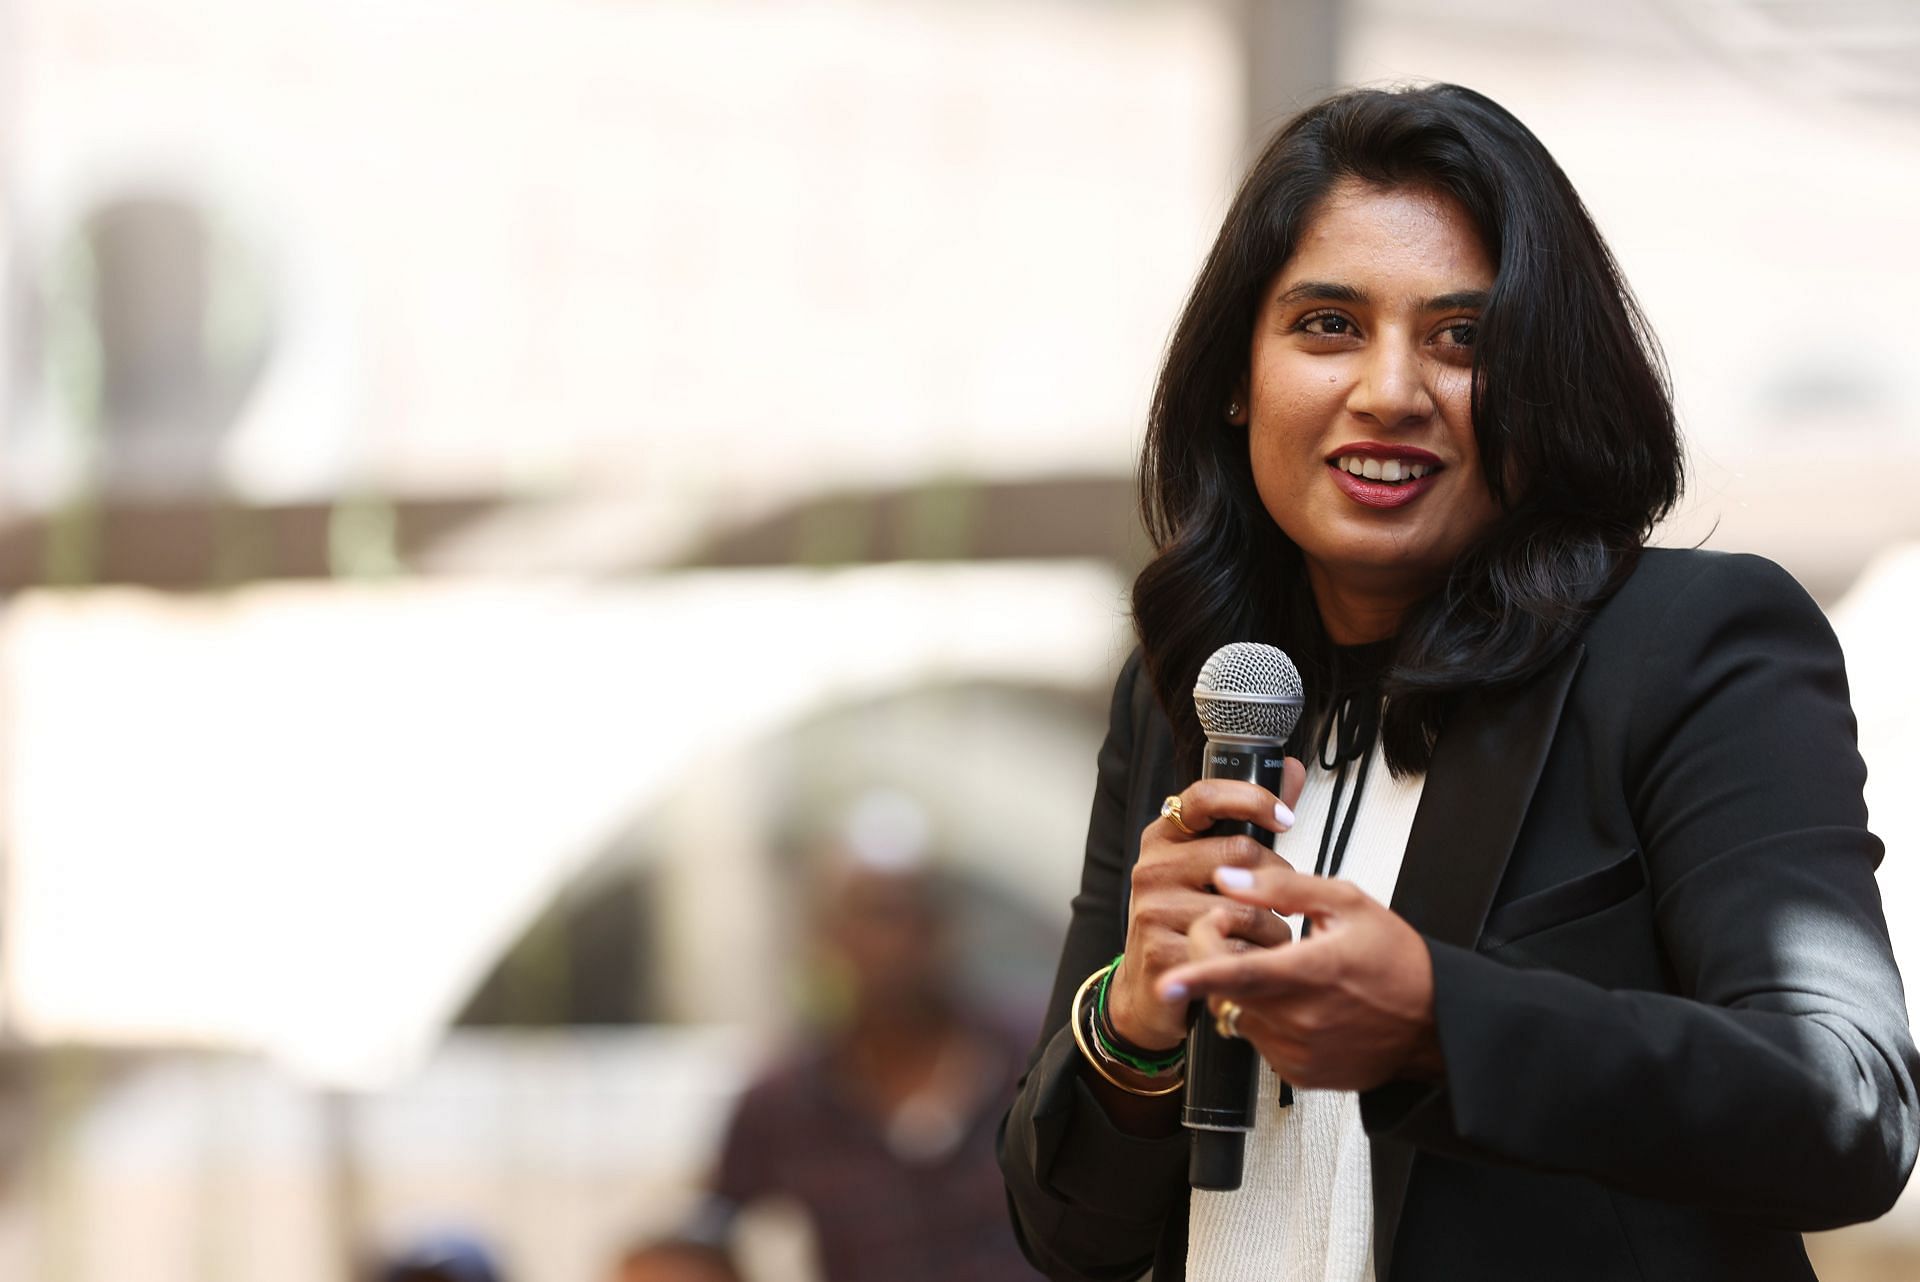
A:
(1249, 691)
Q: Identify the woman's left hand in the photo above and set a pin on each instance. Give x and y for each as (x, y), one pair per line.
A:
(1346, 1008)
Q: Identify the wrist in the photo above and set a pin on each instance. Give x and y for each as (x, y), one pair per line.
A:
(1147, 1075)
(1121, 1009)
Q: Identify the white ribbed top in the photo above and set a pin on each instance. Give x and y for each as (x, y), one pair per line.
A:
(1304, 1208)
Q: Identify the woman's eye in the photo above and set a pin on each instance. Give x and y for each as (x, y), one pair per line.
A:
(1325, 323)
(1459, 334)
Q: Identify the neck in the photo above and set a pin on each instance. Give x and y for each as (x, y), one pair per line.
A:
(1354, 617)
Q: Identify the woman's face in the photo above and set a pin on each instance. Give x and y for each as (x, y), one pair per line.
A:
(1358, 393)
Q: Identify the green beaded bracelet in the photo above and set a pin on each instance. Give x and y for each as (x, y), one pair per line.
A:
(1134, 1057)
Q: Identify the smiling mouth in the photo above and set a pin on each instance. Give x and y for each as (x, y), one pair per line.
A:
(1386, 471)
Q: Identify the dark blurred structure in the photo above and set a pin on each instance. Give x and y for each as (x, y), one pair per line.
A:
(184, 328)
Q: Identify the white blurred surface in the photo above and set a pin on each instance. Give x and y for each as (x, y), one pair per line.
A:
(306, 820)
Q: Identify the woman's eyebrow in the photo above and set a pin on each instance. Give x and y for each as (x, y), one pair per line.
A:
(1461, 299)
(1322, 291)
(1326, 291)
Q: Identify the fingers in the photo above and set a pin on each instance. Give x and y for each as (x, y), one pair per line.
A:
(1272, 972)
(1256, 972)
(1189, 865)
(1293, 780)
(1171, 886)
(1173, 917)
(1226, 928)
(1275, 885)
(1209, 800)
(1216, 935)
(1251, 926)
(1206, 937)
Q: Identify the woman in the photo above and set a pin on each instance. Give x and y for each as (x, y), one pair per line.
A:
(1595, 982)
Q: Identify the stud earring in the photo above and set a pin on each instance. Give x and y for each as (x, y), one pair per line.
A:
(1233, 409)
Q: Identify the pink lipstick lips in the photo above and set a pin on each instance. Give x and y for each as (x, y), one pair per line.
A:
(1401, 473)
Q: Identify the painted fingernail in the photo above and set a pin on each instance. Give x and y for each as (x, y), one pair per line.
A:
(1282, 815)
(1232, 878)
(1174, 992)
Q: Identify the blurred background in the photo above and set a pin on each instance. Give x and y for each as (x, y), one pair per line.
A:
(496, 494)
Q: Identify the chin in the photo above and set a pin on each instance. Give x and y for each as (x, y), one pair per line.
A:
(1390, 567)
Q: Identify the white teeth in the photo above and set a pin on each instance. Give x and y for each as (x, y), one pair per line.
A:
(1390, 470)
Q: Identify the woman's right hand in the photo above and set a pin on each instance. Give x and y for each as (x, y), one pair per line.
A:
(1172, 888)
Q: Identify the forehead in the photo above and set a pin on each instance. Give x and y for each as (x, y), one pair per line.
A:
(1418, 239)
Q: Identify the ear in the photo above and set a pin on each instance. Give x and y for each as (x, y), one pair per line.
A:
(1239, 407)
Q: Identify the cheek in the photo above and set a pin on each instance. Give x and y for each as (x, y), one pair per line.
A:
(1475, 512)
(1453, 385)
(1481, 493)
(1290, 427)
(1281, 468)
(1299, 393)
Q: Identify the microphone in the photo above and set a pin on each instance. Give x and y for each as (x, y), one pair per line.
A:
(1249, 699)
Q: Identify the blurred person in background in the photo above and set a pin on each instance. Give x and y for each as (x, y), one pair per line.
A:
(675, 1259)
(881, 1126)
(443, 1257)
(1598, 984)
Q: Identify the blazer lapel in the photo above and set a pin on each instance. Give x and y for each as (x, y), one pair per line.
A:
(1484, 770)
(1483, 773)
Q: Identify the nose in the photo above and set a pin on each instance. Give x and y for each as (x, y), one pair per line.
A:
(1391, 390)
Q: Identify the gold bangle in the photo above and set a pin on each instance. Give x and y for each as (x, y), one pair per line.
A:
(1079, 1019)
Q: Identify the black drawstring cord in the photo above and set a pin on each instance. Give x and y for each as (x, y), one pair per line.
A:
(1352, 726)
(1348, 734)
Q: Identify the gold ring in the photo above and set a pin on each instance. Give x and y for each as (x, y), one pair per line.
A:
(1170, 811)
(1226, 1021)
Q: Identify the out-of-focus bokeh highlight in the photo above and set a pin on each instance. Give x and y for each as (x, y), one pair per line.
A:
(498, 498)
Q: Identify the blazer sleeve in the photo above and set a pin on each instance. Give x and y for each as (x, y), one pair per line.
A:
(1089, 1201)
(1777, 1078)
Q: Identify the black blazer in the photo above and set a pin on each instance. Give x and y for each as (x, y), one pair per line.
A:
(1673, 1031)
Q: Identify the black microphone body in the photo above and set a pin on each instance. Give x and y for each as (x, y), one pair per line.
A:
(1223, 1081)
(1248, 699)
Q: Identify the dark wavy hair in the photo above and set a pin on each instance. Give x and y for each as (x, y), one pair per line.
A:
(1570, 405)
